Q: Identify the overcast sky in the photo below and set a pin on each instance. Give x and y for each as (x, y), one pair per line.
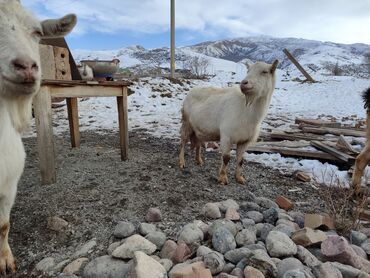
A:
(112, 24)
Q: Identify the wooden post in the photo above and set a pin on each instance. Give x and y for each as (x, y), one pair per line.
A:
(123, 123)
(298, 65)
(172, 38)
(42, 109)
(72, 107)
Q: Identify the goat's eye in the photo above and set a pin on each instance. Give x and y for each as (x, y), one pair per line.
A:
(265, 72)
(37, 33)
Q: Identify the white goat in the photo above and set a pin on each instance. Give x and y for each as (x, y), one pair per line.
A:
(20, 75)
(231, 115)
(86, 72)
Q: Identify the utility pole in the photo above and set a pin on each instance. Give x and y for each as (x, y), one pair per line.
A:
(172, 38)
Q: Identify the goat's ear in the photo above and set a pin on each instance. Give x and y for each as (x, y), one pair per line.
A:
(248, 64)
(58, 27)
(274, 66)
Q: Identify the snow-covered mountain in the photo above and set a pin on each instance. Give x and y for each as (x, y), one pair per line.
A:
(315, 56)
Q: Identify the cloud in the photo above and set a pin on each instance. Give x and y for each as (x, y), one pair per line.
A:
(334, 20)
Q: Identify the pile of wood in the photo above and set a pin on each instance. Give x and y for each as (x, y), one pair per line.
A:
(314, 139)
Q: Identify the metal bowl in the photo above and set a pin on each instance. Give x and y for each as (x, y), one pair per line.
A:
(102, 68)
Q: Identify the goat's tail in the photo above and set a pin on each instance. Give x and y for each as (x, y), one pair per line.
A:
(366, 98)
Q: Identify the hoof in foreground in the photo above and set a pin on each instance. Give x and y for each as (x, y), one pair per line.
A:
(241, 180)
(223, 180)
(7, 264)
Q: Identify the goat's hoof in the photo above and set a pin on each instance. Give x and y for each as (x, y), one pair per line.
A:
(7, 263)
(223, 180)
(200, 162)
(182, 165)
(241, 180)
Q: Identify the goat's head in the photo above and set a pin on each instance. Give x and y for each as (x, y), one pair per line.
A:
(20, 34)
(260, 80)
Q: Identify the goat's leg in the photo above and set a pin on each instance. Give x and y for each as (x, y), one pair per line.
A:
(7, 263)
(198, 153)
(225, 147)
(362, 161)
(240, 150)
(184, 139)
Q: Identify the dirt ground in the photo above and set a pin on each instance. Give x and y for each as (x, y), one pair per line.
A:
(95, 190)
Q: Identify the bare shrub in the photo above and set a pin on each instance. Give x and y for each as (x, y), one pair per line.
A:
(341, 202)
(367, 60)
(197, 65)
(337, 71)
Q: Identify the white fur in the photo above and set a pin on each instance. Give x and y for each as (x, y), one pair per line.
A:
(20, 33)
(86, 72)
(231, 115)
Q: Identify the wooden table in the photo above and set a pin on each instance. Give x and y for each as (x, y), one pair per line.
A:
(71, 90)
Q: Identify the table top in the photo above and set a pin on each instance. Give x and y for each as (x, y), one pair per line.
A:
(66, 83)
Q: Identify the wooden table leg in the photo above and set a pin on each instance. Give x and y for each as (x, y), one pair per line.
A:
(123, 123)
(74, 130)
(45, 142)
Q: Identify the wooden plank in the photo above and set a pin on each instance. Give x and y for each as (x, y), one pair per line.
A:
(74, 130)
(42, 109)
(338, 154)
(123, 123)
(285, 144)
(297, 136)
(317, 122)
(298, 65)
(335, 131)
(47, 62)
(64, 83)
(62, 67)
(85, 91)
(345, 145)
(294, 153)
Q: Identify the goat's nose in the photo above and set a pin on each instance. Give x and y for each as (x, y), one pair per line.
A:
(244, 82)
(26, 68)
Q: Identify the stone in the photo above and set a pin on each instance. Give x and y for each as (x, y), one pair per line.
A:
(289, 223)
(211, 210)
(288, 230)
(285, 216)
(190, 234)
(366, 246)
(251, 272)
(298, 273)
(246, 236)
(347, 270)
(66, 275)
(359, 251)
(203, 250)
(337, 248)
(357, 238)
(298, 218)
(308, 237)
(319, 221)
(270, 215)
(229, 203)
(106, 267)
(124, 229)
(284, 203)
(56, 224)
(113, 246)
(236, 255)
(225, 275)
(260, 260)
(255, 246)
(146, 267)
(232, 214)
(153, 215)
(237, 272)
(146, 228)
(45, 265)
(224, 223)
(288, 264)
(168, 249)
(182, 252)
(307, 257)
(214, 261)
(246, 222)
(326, 270)
(280, 245)
(256, 216)
(194, 270)
(167, 264)
(157, 237)
(134, 243)
(223, 240)
(266, 203)
(85, 249)
(75, 266)
(302, 176)
(201, 225)
(248, 206)
(265, 229)
(228, 268)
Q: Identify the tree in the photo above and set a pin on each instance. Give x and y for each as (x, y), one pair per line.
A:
(197, 65)
(367, 60)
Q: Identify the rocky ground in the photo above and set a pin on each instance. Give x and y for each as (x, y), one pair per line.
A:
(77, 217)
